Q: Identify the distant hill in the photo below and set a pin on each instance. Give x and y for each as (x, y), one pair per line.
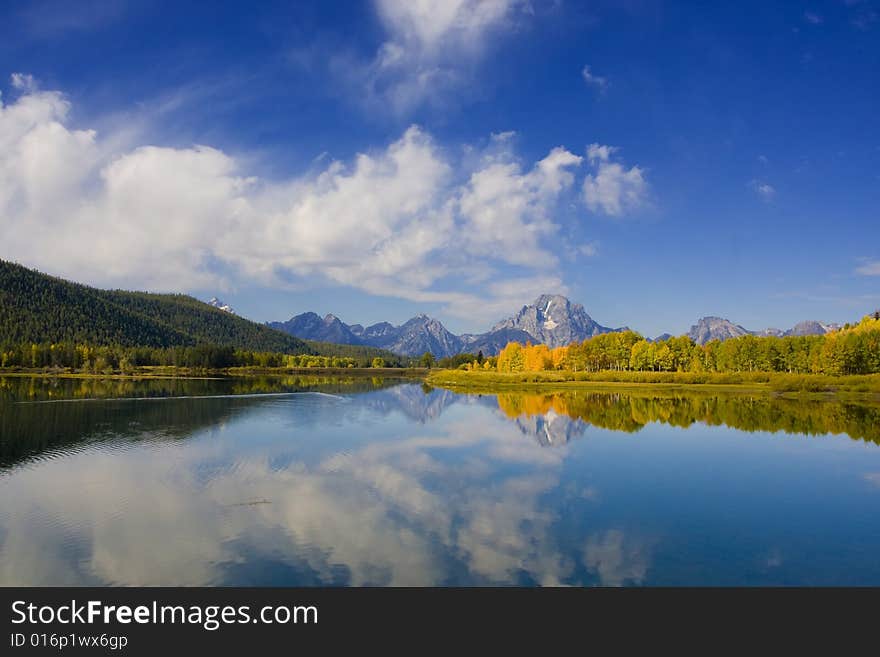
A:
(35, 307)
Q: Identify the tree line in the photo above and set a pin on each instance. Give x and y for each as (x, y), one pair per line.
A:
(118, 358)
(851, 350)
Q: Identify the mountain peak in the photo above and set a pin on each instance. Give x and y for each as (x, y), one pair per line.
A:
(553, 320)
(311, 326)
(811, 327)
(713, 327)
(544, 299)
(214, 301)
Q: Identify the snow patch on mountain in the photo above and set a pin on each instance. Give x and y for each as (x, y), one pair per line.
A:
(221, 305)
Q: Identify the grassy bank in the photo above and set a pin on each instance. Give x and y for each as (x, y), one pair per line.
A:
(166, 372)
(771, 382)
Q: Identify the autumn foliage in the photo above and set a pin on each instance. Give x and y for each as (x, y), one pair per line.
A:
(851, 350)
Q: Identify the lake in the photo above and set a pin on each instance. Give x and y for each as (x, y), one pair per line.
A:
(334, 482)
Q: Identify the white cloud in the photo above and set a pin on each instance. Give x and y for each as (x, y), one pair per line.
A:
(506, 211)
(407, 220)
(599, 153)
(594, 80)
(869, 268)
(763, 189)
(612, 188)
(813, 18)
(429, 52)
(431, 26)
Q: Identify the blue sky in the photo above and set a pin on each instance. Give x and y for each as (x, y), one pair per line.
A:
(654, 161)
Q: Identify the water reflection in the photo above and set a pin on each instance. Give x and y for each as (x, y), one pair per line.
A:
(632, 411)
(419, 403)
(404, 485)
(49, 388)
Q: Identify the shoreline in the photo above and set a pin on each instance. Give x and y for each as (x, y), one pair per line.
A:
(857, 388)
(193, 374)
(791, 386)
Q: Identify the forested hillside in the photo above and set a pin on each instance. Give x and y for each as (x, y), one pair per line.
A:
(36, 308)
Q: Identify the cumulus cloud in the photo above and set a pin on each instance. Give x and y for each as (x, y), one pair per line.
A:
(612, 188)
(593, 80)
(506, 210)
(813, 18)
(600, 153)
(406, 220)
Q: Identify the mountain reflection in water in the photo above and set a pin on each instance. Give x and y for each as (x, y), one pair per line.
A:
(389, 483)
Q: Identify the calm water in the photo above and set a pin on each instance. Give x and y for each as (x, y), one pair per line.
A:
(371, 482)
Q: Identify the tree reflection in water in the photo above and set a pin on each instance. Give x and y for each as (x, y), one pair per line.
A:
(630, 412)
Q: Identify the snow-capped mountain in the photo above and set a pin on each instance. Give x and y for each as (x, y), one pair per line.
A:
(555, 321)
(551, 319)
(219, 304)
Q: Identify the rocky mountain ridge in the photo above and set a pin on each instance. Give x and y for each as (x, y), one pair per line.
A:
(717, 328)
(551, 319)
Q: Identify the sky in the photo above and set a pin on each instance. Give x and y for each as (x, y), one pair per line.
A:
(653, 161)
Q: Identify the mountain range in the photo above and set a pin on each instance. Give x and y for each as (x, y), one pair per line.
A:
(551, 319)
(718, 328)
(38, 308)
